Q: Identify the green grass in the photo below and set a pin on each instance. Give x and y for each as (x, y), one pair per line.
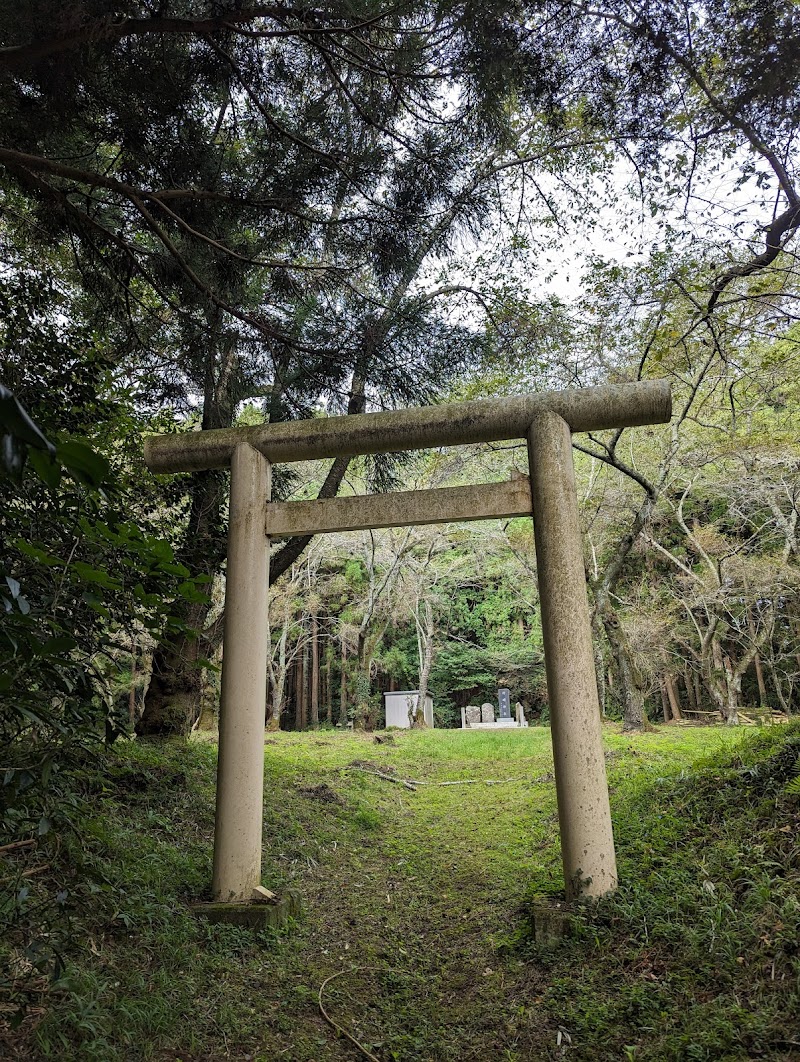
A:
(423, 899)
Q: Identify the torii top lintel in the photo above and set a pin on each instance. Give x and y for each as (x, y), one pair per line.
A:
(451, 424)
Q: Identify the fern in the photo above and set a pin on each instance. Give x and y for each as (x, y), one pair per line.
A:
(793, 785)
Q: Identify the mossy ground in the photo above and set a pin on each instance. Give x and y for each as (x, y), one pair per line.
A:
(423, 899)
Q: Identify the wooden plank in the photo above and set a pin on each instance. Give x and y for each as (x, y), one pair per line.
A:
(485, 501)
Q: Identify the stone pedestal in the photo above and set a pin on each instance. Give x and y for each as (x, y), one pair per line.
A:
(251, 915)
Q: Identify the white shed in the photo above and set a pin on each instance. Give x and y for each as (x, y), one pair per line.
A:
(402, 703)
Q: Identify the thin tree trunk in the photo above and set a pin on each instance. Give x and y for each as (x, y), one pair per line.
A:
(425, 636)
(599, 668)
(329, 684)
(303, 698)
(778, 688)
(664, 699)
(762, 689)
(630, 689)
(314, 670)
(672, 693)
(690, 692)
(132, 694)
(343, 687)
(298, 692)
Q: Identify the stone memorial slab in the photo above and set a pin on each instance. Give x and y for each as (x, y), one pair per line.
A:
(473, 714)
(504, 700)
(487, 713)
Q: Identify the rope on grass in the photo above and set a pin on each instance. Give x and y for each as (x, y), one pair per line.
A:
(335, 1025)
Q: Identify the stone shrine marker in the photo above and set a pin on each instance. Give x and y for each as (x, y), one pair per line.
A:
(473, 715)
(504, 701)
(546, 421)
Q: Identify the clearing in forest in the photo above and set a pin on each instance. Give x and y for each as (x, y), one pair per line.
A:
(417, 904)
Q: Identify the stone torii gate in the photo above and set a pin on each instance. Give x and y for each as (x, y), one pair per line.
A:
(547, 422)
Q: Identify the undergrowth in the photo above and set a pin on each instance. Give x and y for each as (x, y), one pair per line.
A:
(697, 955)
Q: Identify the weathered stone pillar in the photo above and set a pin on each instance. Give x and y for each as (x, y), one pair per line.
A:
(240, 770)
(587, 841)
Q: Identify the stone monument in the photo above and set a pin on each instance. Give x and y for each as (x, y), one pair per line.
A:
(487, 712)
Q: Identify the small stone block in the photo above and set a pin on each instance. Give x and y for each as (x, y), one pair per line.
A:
(552, 924)
(262, 895)
(254, 915)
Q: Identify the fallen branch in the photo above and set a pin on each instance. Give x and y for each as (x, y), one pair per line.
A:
(18, 844)
(384, 777)
(34, 870)
(412, 783)
(478, 781)
(329, 1019)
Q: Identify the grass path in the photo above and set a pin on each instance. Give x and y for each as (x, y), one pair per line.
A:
(415, 905)
(415, 894)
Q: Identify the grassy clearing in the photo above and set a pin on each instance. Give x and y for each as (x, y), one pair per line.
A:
(423, 899)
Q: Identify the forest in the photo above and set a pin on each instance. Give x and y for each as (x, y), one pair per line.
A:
(227, 214)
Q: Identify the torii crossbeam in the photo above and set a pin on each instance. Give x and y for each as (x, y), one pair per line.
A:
(547, 422)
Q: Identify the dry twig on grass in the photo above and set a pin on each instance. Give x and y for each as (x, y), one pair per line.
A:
(412, 783)
(335, 1025)
(17, 844)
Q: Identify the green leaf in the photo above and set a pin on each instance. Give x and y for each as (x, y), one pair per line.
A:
(162, 550)
(15, 420)
(95, 575)
(45, 467)
(189, 592)
(55, 646)
(38, 554)
(83, 463)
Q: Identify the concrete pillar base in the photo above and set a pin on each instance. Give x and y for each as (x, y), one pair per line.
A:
(252, 915)
(552, 923)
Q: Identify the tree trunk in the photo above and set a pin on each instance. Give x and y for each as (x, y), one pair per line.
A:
(303, 675)
(733, 682)
(721, 683)
(329, 684)
(630, 690)
(762, 689)
(314, 671)
(132, 694)
(664, 699)
(776, 682)
(425, 633)
(672, 694)
(298, 692)
(343, 687)
(172, 704)
(691, 699)
(599, 663)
